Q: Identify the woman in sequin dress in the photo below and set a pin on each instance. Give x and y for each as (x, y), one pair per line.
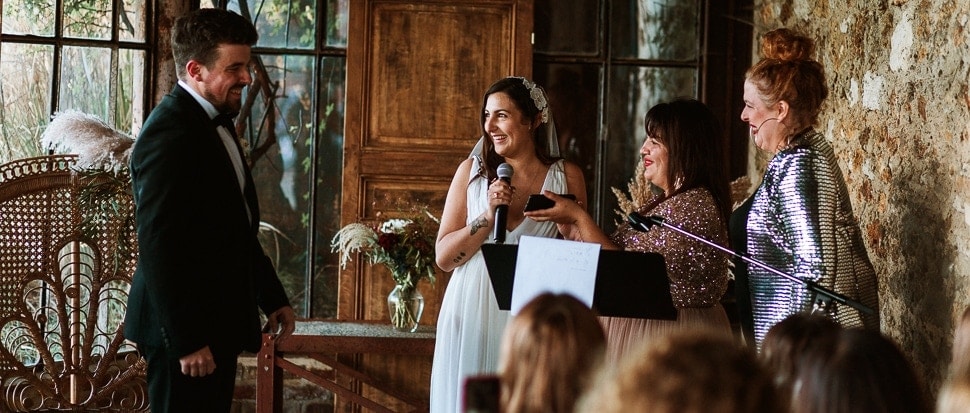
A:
(683, 157)
(800, 220)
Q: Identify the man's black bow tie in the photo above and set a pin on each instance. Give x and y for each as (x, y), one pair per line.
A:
(226, 120)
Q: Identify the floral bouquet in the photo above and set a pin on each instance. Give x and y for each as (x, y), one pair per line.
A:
(404, 245)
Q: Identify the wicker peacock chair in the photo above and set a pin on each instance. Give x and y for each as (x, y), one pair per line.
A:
(67, 255)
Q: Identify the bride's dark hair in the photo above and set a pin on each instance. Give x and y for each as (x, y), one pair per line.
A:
(516, 89)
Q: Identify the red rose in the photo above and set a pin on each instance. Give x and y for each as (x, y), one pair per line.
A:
(387, 241)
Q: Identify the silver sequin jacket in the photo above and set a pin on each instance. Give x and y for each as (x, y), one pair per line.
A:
(801, 223)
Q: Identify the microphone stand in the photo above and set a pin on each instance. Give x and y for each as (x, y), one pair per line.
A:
(822, 297)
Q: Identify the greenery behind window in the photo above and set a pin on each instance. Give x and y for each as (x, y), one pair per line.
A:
(93, 62)
(298, 118)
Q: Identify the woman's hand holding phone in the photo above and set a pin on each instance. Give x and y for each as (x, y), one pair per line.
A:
(539, 201)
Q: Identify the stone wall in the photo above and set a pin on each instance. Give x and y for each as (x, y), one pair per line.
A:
(898, 116)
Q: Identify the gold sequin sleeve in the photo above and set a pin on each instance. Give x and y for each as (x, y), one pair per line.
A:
(698, 272)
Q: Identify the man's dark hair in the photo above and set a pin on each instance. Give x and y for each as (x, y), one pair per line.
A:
(197, 34)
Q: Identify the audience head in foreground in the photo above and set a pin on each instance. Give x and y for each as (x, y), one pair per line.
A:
(550, 351)
(786, 343)
(859, 371)
(955, 393)
(960, 363)
(954, 396)
(688, 371)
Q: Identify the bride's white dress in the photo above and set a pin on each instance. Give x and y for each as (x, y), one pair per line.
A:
(470, 325)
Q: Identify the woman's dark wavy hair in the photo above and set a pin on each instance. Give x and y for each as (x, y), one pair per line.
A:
(522, 98)
(695, 148)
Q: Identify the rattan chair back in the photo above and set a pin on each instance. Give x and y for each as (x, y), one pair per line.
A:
(67, 255)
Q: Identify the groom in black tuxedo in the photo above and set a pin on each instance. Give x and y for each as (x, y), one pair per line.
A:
(202, 275)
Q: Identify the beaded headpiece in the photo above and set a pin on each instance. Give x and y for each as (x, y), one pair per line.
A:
(538, 98)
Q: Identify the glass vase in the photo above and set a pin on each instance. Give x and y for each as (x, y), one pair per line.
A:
(405, 305)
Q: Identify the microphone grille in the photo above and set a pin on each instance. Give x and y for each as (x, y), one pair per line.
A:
(504, 171)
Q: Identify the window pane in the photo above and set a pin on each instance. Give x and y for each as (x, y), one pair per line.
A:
(284, 131)
(573, 91)
(329, 161)
(130, 91)
(89, 19)
(25, 85)
(282, 23)
(84, 80)
(656, 29)
(131, 23)
(337, 11)
(28, 17)
(633, 91)
(567, 26)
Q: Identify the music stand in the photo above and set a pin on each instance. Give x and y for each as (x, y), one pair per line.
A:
(628, 284)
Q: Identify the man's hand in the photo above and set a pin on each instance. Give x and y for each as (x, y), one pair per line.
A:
(282, 322)
(198, 364)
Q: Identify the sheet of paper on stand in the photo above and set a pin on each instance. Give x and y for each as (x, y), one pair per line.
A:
(554, 265)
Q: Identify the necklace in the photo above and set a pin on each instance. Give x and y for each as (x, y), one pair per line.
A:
(531, 187)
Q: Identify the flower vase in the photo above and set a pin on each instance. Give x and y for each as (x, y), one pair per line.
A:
(405, 305)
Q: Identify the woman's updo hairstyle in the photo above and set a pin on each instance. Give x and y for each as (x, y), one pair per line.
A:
(787, 72)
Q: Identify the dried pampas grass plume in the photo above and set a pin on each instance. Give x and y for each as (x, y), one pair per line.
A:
(639, 190)
(97, 145)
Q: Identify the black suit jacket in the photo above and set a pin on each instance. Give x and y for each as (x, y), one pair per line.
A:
(201, 270)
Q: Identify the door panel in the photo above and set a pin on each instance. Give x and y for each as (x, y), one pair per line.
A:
(416, 71)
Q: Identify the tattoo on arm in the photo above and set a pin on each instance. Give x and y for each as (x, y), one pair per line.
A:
(461, 256)
(478, 224)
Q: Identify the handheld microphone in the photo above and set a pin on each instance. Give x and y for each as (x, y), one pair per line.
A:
(504, 173)
(642, 223)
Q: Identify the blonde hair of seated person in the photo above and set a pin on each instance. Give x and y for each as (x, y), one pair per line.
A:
(550, 351)
(955, 393)
(689, 371)
(954, 396)
(960, 362)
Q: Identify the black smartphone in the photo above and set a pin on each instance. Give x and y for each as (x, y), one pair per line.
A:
(539, 201)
